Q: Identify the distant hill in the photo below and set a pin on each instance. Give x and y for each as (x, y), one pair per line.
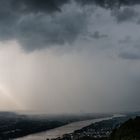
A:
(130, 130)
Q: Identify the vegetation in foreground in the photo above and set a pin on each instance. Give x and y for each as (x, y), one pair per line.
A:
(130, 130)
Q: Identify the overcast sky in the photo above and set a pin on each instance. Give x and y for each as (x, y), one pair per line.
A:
(70, 56)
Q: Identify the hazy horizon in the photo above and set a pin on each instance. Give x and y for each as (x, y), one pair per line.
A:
(70, 56)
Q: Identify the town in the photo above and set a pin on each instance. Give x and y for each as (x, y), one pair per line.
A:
(98, 130)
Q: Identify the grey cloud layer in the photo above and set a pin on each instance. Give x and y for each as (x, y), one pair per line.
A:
(131, 56)
(101, 71)
(109, 3)
(126, 14)
(97, 35)
(33, 5)
(37, 24)
(41, 31)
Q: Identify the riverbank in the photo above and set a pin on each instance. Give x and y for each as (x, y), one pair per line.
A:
(99, 130)
(66, 129)
(14, 125)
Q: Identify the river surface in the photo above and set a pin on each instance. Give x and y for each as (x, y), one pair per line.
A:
(65, 129)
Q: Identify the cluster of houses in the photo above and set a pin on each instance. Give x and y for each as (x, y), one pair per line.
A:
(90, 132)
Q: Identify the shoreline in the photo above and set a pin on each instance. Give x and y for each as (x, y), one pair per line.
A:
(65, 129)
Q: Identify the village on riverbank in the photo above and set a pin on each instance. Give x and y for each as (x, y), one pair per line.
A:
(98, 130)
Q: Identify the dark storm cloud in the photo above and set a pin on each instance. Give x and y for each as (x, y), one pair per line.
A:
(93, 74)
(39, 5)
(41, 23)
(129, 55)
(109, 3)
(45, 31)
(126, 14)
(126, 40)
(12, 11)
(98, 35)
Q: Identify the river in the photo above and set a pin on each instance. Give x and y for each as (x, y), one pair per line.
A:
(65, 129)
